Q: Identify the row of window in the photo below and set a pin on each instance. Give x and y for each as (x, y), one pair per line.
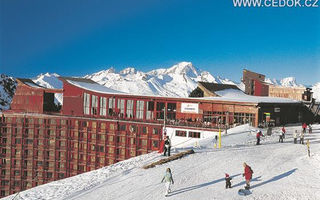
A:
(125, 108)
(191, 134)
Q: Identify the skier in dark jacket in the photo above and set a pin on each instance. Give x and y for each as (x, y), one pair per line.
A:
(228, 181)
(167, 146)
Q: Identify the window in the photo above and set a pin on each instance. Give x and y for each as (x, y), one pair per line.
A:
(144, 142)
(132, 141)
(101, 148)
(103, 106)
(61, 175)
(49, 174)
(171, 112)
(29, 141)
(123, 127)
(155, 143)
(155, 131)
(130, 108)
(150, 110)
(140, 109)
(160, 110)
(121, 107)
(144, 130)
(94, 105)
(86, 104)
(181, 133)
(111, 106)
(194, 134)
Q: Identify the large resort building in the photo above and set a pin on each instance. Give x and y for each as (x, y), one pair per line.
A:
(97, 126)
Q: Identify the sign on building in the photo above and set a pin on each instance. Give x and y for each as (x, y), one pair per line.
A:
(276, 109)
(190, 108)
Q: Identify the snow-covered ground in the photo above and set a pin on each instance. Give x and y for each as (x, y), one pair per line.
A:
(281, 171)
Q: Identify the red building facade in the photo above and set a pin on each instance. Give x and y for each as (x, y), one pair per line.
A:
(95, 127)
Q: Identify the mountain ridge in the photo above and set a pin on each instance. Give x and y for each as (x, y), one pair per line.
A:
(178, 80)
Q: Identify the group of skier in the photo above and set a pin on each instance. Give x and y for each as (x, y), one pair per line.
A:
(168, 178)
(282, 134)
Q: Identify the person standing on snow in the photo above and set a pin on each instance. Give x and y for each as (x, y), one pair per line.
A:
(302, 137)
(259, 134)
(295, 136)
(167, 146)
(304, 127)
(168, 180)
(247, 175)
(310, 128)
(215, 141)
(308, 147)
(281, 137)
(228, 181)
(283, 131)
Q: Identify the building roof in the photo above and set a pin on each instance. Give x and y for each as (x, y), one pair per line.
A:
(90, 85)
(34, 85)
(231, 94)
(29, 82)
(214, 87)
(77, 79)
(239, 96)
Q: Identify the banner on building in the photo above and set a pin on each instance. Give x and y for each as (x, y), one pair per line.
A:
(190, 108)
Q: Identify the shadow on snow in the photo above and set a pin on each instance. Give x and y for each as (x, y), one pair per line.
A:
(187, 189)
(275, 178)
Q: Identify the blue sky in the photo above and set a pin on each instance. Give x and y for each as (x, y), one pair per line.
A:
(78, 37)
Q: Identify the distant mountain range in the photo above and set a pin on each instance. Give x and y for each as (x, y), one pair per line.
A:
(178, 81)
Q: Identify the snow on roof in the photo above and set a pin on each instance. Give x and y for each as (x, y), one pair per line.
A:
(94, 87)
(33, 85)
(239, 96)
(225, 95)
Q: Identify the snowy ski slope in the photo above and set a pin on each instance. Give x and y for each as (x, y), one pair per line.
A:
(281, 171)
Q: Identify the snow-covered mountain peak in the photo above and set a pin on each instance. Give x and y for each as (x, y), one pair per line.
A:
(285, 82)
(184, 68)
(289, 82)
(128, 70)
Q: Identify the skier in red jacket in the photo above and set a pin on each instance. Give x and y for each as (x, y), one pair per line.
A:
(247, 175)
(304, 127)
(259, 134)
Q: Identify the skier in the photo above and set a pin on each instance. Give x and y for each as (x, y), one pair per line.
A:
(304, 127)
(302, 137)
(259, 134)
(215, 141)
(283, 130)
(247, 175)
(281, 137)
(310, 128)
(308, 147)
(228, 181)
(295, 136)
(167, 146)
(168, 180)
